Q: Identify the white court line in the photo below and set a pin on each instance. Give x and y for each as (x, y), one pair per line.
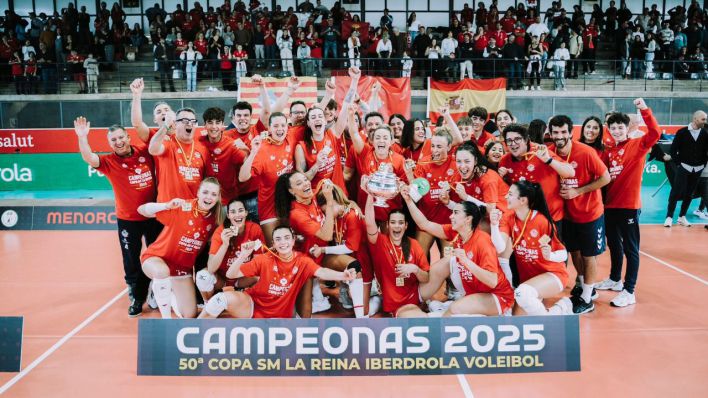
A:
(465, 386)
(59, 343)
(675, 268)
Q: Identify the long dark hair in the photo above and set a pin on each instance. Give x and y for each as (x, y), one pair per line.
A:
(308, 131)
(283, 197)
(598, 144)
(537, 200)
(408, 132)
(406, 241)
(227, 220)
(474, 211)
(481, 164)
(537, 128)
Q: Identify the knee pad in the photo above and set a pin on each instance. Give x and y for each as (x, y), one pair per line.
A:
(205, 281)
(355, 265)
(525, 295)
(216, 305)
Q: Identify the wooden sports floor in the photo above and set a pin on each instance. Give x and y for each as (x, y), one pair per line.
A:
(79, 341)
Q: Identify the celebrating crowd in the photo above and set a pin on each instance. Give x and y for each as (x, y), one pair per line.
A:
(255, 216)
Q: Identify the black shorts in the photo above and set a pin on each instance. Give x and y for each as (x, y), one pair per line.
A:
(588, 238)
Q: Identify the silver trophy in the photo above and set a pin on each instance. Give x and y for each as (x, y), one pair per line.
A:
(383, 185)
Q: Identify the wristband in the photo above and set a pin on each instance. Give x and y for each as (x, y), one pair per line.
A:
(549, 161)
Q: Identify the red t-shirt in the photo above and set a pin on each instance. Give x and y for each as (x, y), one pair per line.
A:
(251, 232)
(527, 248)
(223, 163)
(626, 162)
(507, 24)
(251, 185)
(386, 256)
(185, 234)
(368, 164)
(307, 220)
(269, 38)
(415, 154)
(489, 188)
(271, 162)
(349, 230)
(531, 168)
(437, 174)
(588, 168)
(483, 139)
(480, 249)
(132, 179)
(180, 170)
(201, 46)
(332, 167)
(279, 283)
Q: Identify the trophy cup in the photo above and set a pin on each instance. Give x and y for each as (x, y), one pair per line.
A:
(383, 185)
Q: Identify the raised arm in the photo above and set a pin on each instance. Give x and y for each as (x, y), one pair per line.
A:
(136, 111)
(215, 259)
(151, 209)
(454, 130)
(499, 239)
(245, 173)
(426, 225)
(234, 271)
(265, 101)
(301, 162)
(282, 102)
(325, 233)
(82, 127)
(327, 274)
(342, 119)
(357, 142)
(156, 146)
(372, 230)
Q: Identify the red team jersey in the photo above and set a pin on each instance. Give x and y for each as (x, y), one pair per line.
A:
(423, 151)
(251, 232)
(185, 234)
(279, 283)
(180, 170)
(132, 180)
(224, 162)
(525, 237)
(626, 162)
(307, 220)
(437, 174)
(332, 167)
(387, 256)
(588, 168)
(250, 186)
(272, 161)
(531, 168)
(481, 251)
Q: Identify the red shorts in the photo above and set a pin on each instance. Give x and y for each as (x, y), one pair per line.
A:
(175, 270)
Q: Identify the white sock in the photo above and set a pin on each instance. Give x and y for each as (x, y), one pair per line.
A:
(317, 291)
(504, 263)
(374, 305)
(162, 290)
(356, 291)
(587, 292)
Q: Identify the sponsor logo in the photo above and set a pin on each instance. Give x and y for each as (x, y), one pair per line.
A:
(9, 218)
(16, 174)
(92, 172)
(652, 169)
(15, 141)
(81, 217)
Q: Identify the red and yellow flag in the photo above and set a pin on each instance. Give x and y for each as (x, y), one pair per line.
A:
(466, 94)
(249, 91)
(394, 95)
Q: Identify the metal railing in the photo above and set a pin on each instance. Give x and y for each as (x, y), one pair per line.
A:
(209, 74)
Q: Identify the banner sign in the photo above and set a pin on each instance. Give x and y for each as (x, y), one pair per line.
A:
(54, 140)
(41, 218)
(10, 343)
(48, 172)
(358, 347)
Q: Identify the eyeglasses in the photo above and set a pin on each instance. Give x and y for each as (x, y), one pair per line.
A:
(298, 112)
(516, 140)
(185, 120)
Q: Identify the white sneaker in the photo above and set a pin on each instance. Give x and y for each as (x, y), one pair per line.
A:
(701, 214)
(609, 284)
(564, 89)
(344, 297)
(321, 305)
(623, 299)
(526, 88)
(668, 222)
(533, 88)
(374, 305)
(439, 306)
(683, 222)
(538, 88)
(562, 307)
(151, 298)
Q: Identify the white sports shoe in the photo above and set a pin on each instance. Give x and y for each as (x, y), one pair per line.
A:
(562, 307)
(609, 284)
(668, 222)
(683, 222)
(344, 297)
(701, 214)
(321, 305)
(623, 299)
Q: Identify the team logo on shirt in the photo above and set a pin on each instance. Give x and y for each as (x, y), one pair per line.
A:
(190, 222)
(285, 162)
(429, 175)
(477, 190)
(450, 172)
(138, 170)
(217, 151)
(179, 151)
(141, 159)
(272, 157)
(621, 152)
(574, 164)
(125, 166)
(197, 235)
(530, 168)
(534, 233)
(295, 268)
(198, 155)
(208, 228)
(275, 268)
(283, 281)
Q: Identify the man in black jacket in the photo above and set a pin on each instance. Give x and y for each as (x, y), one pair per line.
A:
(513, 55)
(163, 57)
(690, 153)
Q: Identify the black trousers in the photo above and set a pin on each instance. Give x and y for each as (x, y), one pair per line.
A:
(130, 235)
(622, 226)
(684, 186)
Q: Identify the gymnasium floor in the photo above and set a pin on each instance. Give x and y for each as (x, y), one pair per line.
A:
(78, 340)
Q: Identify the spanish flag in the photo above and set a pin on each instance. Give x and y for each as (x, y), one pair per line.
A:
(250, 92)
(466, 94)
